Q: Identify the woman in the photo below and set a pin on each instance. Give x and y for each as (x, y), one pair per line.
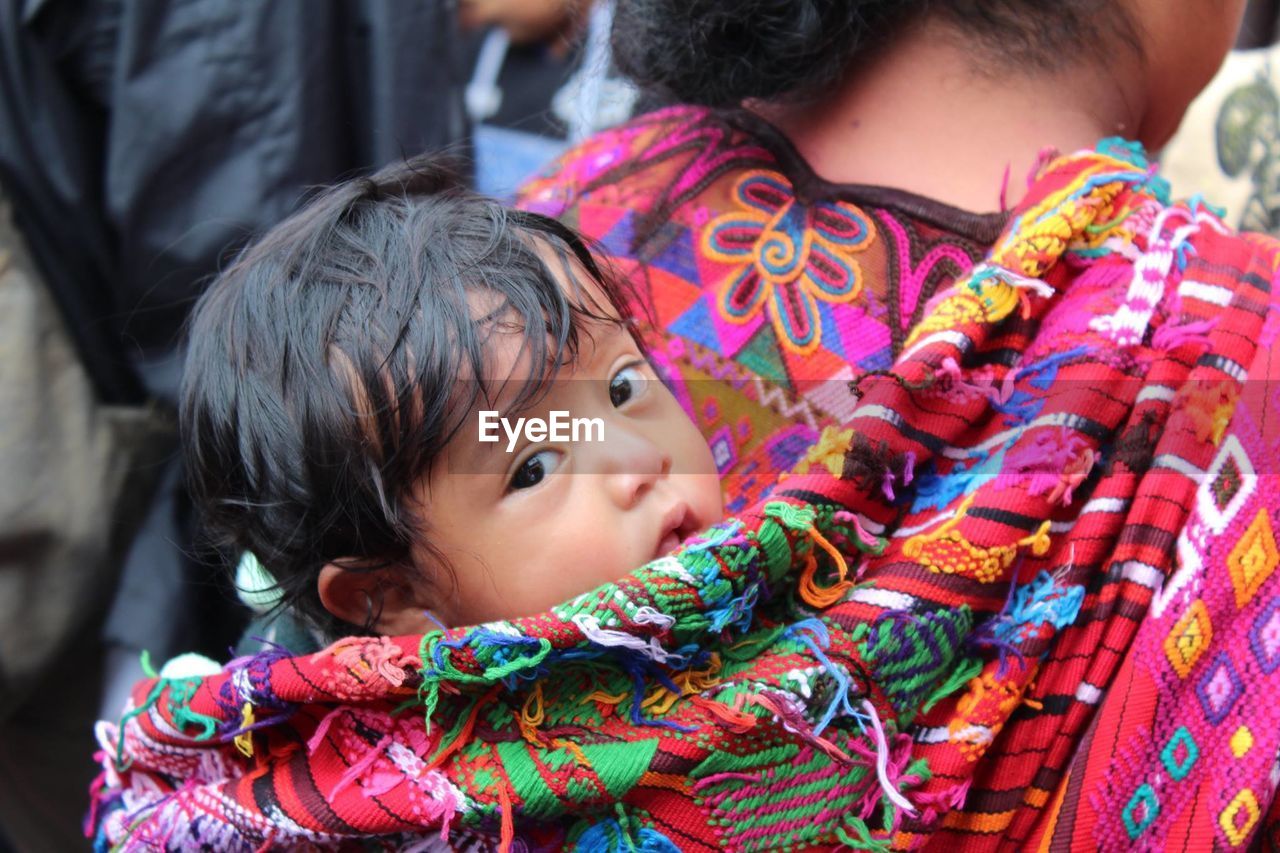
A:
(1049, 487)
(791, 231)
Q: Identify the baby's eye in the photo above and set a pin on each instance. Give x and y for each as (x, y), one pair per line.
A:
(627, 384)
(533, 470)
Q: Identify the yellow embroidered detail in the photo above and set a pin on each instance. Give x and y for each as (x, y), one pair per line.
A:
(828, 452)
(1043, 235)
(1238, 818)
(960, 307)
(1209, 409)
(1253, 558)
(532, 714)
(1189, 638)
(244, 740)
(946, 551)
(1047, 227)
(660, 699)
(1001, 293)
(1241, 742)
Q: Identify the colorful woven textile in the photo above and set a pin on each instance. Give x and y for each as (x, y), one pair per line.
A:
(1026, 594)
(662, 191)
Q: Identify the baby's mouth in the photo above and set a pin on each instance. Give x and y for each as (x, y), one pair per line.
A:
(668, 544)
(677, 525)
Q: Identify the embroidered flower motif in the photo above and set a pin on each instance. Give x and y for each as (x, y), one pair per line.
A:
(790, 256)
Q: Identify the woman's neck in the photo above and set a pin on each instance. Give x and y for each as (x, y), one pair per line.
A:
(921, 117)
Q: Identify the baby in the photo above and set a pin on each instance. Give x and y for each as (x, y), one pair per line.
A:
(352, 408)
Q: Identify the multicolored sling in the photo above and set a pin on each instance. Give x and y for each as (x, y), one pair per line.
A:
(1026, 595)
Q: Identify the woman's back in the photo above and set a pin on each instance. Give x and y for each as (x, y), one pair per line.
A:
(772, 289)
(754, 270)
(977, 633)
(1059, 619)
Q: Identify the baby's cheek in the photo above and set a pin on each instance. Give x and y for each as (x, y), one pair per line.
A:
(605, 555)
(712, 494)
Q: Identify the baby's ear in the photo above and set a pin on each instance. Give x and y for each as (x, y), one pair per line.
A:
(360, 597)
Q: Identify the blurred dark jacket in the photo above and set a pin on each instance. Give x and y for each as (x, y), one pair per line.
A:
(139, 139)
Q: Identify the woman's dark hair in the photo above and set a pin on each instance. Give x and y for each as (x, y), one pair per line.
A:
(327, 365)
(719, 53)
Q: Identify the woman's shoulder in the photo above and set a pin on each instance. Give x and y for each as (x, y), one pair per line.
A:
(642, 162)
(689, 164)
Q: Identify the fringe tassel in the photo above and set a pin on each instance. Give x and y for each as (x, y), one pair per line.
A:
(589, 625)
(864, 840)
(935, 804)
(122, 761)
(793, 719)
(962, 675)
(733, 719)
(1171, 337)
(313, 742)
(462, 734)
(882, 761)
(366, 761)
(821, 597)
(865, 542)
(508, 832)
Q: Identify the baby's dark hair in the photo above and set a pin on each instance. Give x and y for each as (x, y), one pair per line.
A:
(325, 366)
(719, 53)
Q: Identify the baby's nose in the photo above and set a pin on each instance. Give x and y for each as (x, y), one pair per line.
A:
(634, 464)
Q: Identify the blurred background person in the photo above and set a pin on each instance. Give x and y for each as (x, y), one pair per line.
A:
(141, 141)
(1228, 145)
(542, 77)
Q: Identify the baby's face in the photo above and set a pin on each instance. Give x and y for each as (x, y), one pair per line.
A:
(526, 528)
